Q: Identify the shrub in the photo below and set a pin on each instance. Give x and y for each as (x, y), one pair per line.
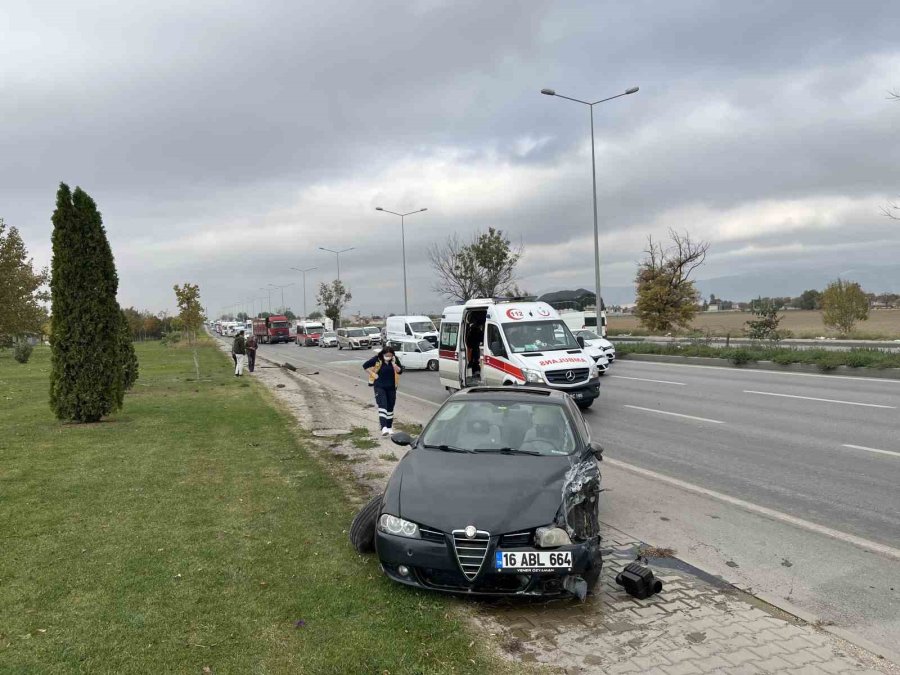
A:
(171, 338)
(741, 356)
(22, 352)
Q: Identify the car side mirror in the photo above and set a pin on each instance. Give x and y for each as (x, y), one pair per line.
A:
(596, 451)
(580, 341)
(401, 438)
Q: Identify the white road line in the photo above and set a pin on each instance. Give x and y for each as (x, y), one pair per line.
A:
(759, 371)
(852, 539)
(882, 452)
(664, 412)
(824, 400)
(644, 379)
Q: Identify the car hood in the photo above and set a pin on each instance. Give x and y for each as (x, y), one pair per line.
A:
(493, 492)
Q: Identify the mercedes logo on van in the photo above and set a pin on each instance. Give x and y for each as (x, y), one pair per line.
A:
(471, 531)
(570, 375)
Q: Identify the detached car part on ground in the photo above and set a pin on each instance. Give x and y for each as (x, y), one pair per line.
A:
(498, 496)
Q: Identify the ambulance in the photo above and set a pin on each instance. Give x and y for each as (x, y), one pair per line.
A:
(488, 342)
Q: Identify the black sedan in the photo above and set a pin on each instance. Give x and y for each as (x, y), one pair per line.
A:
(498, 496)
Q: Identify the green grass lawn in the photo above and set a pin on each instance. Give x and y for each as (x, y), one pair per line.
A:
(192, 530)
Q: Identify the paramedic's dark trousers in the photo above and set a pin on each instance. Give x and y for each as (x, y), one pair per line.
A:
(251, 359)
(384, 401)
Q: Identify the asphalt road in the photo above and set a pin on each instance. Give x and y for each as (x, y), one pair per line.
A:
(784, 483)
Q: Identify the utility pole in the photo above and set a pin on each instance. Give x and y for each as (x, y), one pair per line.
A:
(303, 272)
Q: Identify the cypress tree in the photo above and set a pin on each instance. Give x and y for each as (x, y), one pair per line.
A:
(88, 376)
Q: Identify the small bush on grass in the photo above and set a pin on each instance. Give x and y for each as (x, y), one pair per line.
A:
(22, 352)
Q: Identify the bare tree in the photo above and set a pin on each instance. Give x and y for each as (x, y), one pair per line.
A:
(666, 297)
(482, 268)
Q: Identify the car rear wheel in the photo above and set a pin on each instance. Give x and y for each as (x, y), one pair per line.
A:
(432, 365)
(362, 529)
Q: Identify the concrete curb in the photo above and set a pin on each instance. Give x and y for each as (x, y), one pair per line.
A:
(882, 373)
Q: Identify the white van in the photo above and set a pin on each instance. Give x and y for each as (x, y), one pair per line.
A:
(577, 320)
(416, 327)
(486, 342)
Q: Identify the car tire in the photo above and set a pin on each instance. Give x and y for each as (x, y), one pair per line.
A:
(584, 405)
(362, 529)
(433, 365)
(340, 346)
(602, 373)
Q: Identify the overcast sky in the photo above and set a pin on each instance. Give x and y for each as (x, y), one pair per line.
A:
(225, 142)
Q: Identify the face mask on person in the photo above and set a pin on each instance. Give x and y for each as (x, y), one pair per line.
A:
(388, 357)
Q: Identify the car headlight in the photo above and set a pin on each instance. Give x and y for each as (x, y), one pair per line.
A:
(532, 375)
(398, 526)
(551, 537)
(594, 372)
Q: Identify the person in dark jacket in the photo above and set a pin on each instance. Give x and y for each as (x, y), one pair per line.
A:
(384, 375)
(238, 348)
(251, 345)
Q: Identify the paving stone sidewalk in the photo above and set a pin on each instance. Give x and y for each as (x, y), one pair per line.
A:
(698, 624)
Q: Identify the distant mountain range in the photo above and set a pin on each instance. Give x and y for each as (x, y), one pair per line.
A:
(771, 283)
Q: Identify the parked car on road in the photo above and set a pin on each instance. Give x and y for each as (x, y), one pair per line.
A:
(498, 496)
(328, 340)
(416, 354)
(352, 338)
(594, 340)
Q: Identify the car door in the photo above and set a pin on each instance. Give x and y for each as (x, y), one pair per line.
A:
(411, 358)
(493, 347)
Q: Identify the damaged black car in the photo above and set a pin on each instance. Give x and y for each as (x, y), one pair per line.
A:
(497, 496)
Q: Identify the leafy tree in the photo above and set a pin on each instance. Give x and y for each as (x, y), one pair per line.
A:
(242, 316)
(332, 298)
(843, 304)
(765, 326)
(21, 289)
(316, 314)
(666, 298)
(91, 362)
(286, 312)
(809, 299)
(190, 310)
(482, 268)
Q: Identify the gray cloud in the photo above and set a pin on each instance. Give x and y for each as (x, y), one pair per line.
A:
(224, 144)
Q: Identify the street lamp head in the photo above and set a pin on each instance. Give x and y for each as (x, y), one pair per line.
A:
(378, 208)
(420, 210)
(549, 92)
(633, 90)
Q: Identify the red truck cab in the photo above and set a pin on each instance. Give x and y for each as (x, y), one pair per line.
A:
(272, 329)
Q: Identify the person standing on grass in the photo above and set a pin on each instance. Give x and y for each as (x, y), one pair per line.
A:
(384, 375)
(238, 349)
(251, 345)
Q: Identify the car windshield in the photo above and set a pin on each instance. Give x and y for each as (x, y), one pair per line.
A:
(508, 427)
(356, 332)
(539, 336)
(279, 324)
(425, 346)
(422, 326)
(330, 335)
(372, 330)
(588, 335)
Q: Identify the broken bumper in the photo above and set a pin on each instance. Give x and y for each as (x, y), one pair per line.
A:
(433, 565)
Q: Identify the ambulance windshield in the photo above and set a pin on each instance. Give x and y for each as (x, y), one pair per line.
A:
(539, 336)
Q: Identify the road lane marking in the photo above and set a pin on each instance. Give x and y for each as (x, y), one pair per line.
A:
(824, 400)
(760, 371)
(845, 537)
(862, 447)
(644, 379)
(664, 412)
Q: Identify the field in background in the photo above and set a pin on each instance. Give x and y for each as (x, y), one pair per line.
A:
(882, 324)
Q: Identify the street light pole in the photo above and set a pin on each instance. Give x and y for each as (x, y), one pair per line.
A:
(403, 246)
(282, 287)
(269, 291)
(599, 300)
(337, 255)
(303, 272)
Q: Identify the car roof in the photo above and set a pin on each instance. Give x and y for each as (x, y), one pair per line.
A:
(512, 394)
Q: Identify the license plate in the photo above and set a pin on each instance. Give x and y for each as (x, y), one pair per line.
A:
(533, 561)
(577, 395)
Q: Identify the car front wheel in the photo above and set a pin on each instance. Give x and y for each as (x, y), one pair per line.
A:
(362, 529)
(432, 365)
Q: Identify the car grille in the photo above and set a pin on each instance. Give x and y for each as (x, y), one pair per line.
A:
(516, 539)
(559, 376)
(470, 553)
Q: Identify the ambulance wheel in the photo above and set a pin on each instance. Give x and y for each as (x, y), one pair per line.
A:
(584, 405)
(432, 365)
